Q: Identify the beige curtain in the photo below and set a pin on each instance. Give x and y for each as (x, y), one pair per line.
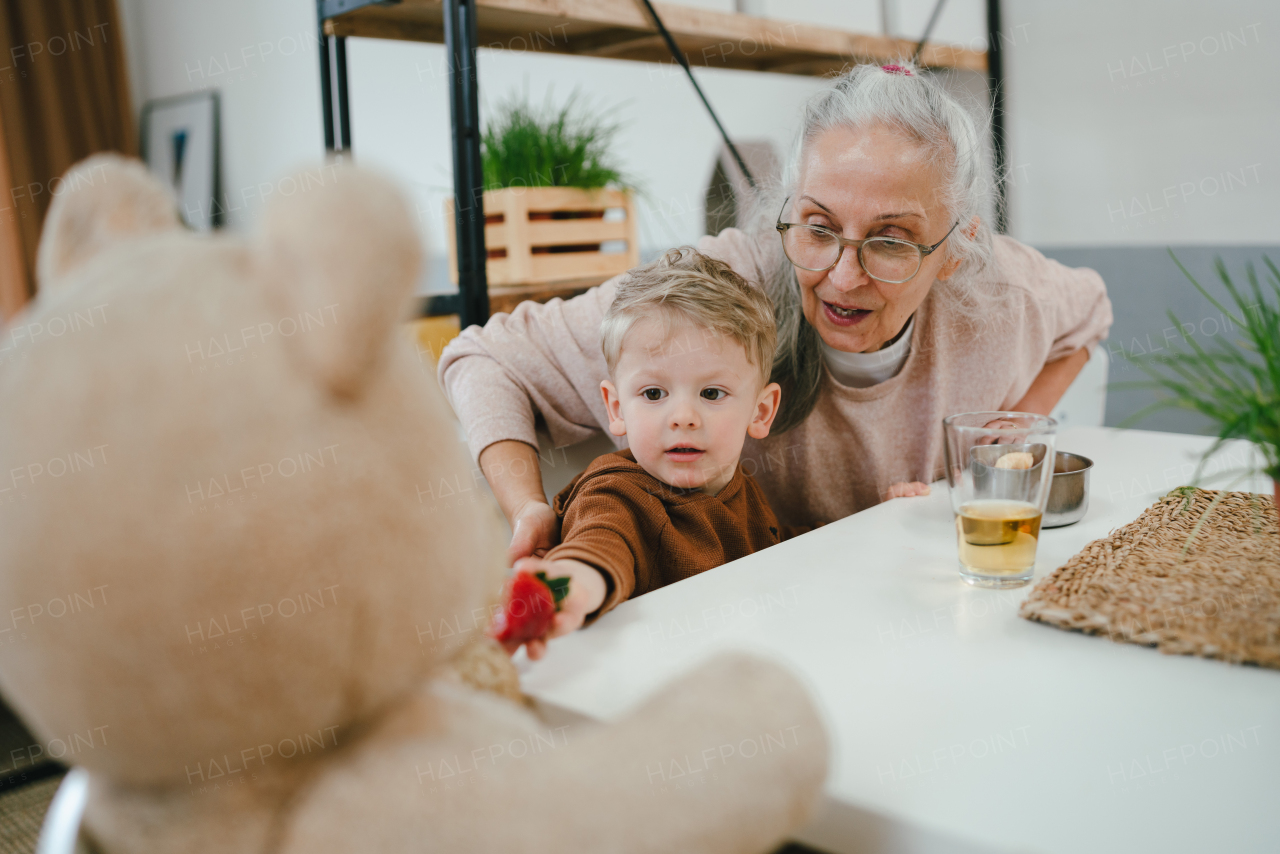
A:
(64, 94)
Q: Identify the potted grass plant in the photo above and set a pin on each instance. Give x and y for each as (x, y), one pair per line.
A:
(550, 178)
(1233, 383)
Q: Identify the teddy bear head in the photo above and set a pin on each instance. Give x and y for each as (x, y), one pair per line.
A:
(235, 509)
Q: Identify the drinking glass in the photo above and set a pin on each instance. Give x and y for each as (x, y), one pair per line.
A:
(999, 499)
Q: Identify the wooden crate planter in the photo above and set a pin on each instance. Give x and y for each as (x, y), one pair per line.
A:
(547, 235)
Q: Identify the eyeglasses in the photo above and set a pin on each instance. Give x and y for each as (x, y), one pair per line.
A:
(886, 259)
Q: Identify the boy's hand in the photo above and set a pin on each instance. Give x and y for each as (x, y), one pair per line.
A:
(586, 593)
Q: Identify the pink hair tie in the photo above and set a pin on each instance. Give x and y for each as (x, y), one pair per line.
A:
(896, 69)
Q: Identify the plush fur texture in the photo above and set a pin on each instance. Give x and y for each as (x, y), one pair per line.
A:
(229, 552)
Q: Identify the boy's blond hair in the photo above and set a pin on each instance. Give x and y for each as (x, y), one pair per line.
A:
(686, 285)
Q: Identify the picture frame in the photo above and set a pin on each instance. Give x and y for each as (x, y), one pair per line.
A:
(181, 147)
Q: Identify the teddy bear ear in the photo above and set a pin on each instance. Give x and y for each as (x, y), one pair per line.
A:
(339, 243)
(102, 201)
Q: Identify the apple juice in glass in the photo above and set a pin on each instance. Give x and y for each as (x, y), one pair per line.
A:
(999, 470)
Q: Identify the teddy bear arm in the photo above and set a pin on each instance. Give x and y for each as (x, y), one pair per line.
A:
(728, 759)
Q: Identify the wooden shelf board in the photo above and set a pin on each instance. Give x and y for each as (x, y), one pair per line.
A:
(619, 29)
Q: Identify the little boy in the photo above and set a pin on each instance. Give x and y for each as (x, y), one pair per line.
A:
(689, 346)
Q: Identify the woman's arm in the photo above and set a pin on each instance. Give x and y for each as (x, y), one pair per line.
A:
(1065, 312)
(538, 361)
(511, 467)
(1051, 383)
(541, 362)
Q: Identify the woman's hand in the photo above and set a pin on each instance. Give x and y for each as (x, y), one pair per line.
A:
(586, 594)
(1000, 439)
(511, 468)
(535, 530)
(907, 490)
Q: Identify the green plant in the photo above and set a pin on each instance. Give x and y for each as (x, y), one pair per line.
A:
(524, 146)
(1236, 384)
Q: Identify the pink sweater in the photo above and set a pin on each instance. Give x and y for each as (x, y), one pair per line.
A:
(541, 365)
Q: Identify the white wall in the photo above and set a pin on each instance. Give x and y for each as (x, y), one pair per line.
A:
(1148, 122)
(261, 56)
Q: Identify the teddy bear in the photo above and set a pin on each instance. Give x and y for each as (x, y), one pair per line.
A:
(227, 572)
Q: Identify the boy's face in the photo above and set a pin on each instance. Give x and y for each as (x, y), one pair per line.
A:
(686, 401)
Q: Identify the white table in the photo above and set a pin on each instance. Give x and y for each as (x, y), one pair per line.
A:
(955, 724)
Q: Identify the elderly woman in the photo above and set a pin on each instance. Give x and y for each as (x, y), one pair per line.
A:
(896, 306)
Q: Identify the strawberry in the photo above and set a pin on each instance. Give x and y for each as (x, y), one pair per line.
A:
(532, 600)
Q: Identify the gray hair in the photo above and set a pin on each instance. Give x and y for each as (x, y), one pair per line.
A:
(918, 106)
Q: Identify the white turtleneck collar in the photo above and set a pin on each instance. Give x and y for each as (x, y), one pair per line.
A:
(860, 370)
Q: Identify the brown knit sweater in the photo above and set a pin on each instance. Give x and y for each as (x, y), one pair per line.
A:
(643, 534)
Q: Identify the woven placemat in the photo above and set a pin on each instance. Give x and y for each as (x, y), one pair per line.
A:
(1215, 594)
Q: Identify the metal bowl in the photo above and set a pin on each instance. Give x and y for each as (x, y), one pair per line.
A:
(1069, 495)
